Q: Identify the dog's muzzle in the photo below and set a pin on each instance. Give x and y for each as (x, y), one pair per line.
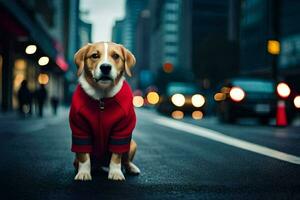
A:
(105, 68)
(103, 78)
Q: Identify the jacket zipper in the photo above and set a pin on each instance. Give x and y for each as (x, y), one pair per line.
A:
(101, 104)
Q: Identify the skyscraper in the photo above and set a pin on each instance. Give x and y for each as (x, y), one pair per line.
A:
(133, 9)
(117, 32)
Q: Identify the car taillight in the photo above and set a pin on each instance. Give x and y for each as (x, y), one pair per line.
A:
(237, 94)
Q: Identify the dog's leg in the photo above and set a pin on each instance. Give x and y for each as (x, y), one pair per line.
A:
(128, 158)
(115, 172)
(84, 167)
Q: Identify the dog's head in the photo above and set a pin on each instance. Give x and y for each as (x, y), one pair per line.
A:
(104, 63)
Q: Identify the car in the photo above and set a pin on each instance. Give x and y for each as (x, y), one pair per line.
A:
(247, 97)
(181, 97)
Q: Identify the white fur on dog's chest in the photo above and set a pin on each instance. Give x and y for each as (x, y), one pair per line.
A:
(97, 93)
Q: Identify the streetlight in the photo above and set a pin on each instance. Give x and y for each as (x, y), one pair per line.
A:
(43, 61)
(30, 49)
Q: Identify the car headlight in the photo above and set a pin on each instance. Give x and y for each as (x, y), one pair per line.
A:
(237, 94)
(198, 100)
(297, 101)
(178, 100)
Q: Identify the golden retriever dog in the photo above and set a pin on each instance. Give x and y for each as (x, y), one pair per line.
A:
(102, 115)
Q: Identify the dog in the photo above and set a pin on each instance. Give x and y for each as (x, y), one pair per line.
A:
(102, 115)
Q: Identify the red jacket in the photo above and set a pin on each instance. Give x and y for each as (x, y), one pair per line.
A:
(101, 131)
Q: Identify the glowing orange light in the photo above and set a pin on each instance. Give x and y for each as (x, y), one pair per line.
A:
(43, 79)
(168, 67)
(197, 115)
(177, 114)
(20, 64)
(219, 96)
(152, 97)
(273, 47)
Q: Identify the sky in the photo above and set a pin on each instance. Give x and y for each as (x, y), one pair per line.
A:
(102, 14)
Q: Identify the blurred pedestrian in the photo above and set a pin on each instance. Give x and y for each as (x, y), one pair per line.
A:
(25, 99)
(41, 97)
(54, 104)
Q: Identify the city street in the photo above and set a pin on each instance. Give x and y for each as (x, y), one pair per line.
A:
(188, 159)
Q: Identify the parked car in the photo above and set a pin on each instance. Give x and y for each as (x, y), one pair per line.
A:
(181, 96)
(247, 97)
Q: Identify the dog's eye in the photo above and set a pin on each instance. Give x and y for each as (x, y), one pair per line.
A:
(95, 55)
(115, 56)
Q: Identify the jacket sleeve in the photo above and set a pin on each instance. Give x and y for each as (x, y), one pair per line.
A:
(120, 138)
(81, 137)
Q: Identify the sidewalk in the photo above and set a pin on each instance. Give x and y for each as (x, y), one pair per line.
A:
(13, 122)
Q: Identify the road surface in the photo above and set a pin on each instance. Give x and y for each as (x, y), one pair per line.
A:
(185, 159)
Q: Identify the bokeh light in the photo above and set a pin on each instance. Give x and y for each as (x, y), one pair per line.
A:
(197, 115)
(178, 100)
(152, 98)
(30, 49)
(283, 90)
(43, 61)
(177, 114)
(168, 67)
(43, 79)
(219, 96)
(297, 101)
(237, 94)
(138, 101)
(198, 100)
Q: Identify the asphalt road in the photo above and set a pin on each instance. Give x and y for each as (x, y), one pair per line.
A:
(177, 160)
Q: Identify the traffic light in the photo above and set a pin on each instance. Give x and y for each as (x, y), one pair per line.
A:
(273, 47)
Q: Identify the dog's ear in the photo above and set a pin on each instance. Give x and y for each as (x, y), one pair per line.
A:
(79, 58)
(129, 60)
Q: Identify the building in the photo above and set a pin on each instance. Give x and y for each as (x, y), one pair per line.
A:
(117, 32)
(125, 31)
(255, 31)
(85, 33)
(165, 41)
(264, 20)
(192, 38)
(133, 9)
(212, 55)
(42, 29)
(142, 70)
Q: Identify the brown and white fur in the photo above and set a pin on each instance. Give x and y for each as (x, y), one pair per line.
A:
(99, 85)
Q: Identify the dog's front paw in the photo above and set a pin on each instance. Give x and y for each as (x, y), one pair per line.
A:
(132, 169)
(115, 173)
(84, 171)
(83, 176)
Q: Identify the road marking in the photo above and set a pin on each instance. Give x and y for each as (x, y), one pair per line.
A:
(219, 137)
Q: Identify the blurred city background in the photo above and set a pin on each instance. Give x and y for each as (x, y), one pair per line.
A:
(226, 70)
(205, 43)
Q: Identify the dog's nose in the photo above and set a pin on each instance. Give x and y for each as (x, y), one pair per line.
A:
(105, 68)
